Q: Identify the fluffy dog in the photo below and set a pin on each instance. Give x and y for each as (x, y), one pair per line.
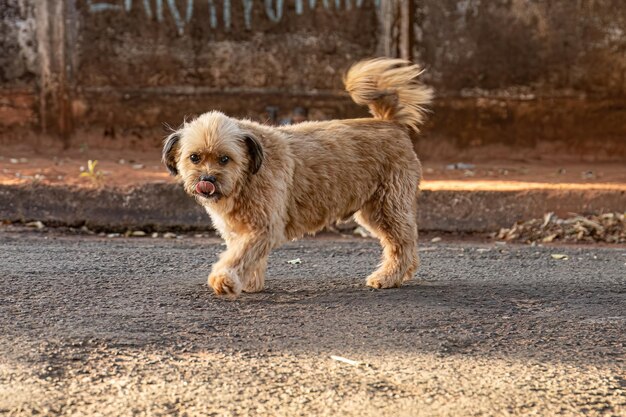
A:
(264, 185)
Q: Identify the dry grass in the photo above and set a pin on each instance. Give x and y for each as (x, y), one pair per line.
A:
(607, 228)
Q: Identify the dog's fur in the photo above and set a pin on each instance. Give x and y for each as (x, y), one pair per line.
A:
(283, 182)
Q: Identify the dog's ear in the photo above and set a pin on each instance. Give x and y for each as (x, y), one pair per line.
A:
(255, 153)
(170, 152)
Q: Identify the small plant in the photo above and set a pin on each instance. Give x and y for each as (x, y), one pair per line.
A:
(92, 173)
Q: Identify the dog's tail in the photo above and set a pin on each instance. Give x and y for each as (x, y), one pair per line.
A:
(389, 87)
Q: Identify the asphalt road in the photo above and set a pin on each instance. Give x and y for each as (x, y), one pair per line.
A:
(116, 327)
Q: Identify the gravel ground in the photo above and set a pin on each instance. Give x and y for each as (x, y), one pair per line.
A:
(116, 327)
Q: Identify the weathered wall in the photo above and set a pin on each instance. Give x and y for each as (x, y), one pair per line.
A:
(524, 72)
(18, 63)
(186, 57)
(551, 47)
(513, 72)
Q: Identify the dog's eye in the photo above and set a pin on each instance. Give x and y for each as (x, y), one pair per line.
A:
(195, 158)
(224, 159)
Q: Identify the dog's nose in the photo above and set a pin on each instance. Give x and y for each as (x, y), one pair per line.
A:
(209, 178)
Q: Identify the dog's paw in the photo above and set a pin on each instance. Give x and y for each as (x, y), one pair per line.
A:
(383, 281)
(225, 283)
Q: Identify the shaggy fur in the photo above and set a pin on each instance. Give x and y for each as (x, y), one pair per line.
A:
(279, 183)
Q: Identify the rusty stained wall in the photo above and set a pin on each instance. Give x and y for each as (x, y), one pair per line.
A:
(525, 72)
(156, 62)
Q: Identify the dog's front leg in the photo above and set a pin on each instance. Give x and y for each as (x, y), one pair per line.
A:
(241, 267)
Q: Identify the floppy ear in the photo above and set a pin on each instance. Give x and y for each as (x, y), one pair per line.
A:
(170, 152)
(255, 153)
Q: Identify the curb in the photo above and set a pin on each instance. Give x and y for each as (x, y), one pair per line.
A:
(162, 206)
(152, 206)
(489, 211)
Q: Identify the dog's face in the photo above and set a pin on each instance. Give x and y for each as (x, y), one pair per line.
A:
(213, 156)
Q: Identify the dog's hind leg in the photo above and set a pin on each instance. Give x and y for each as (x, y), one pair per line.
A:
(391, 216)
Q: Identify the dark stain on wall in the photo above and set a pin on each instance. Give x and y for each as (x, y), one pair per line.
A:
(17, 44)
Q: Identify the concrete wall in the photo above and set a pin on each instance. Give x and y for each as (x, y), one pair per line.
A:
(507, 72)
(525, 72)
(166, 59)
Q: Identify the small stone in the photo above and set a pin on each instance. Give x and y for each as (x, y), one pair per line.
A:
(155, 235)
(435, 239)
(460, 165)
(38, 225)
(137, 166)
(14, 161)
(112, 235)
(138, 233)
(169, 235)
(345, 360)
(549, 238)
(85, 229)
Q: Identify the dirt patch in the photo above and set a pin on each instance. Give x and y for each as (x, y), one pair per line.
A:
(42, 161)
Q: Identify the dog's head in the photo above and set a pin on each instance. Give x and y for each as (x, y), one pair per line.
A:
(213, 156)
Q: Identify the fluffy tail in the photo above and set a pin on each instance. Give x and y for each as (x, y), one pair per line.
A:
(390, 89)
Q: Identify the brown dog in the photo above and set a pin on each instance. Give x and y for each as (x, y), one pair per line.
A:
(264, 185)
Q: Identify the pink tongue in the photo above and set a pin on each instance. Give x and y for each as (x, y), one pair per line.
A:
(205, 187)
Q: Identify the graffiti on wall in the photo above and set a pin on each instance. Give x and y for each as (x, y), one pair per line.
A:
(156, 9)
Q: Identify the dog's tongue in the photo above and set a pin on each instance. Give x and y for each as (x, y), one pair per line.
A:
(205, 187)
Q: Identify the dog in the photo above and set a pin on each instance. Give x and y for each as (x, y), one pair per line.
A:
(264, 185)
